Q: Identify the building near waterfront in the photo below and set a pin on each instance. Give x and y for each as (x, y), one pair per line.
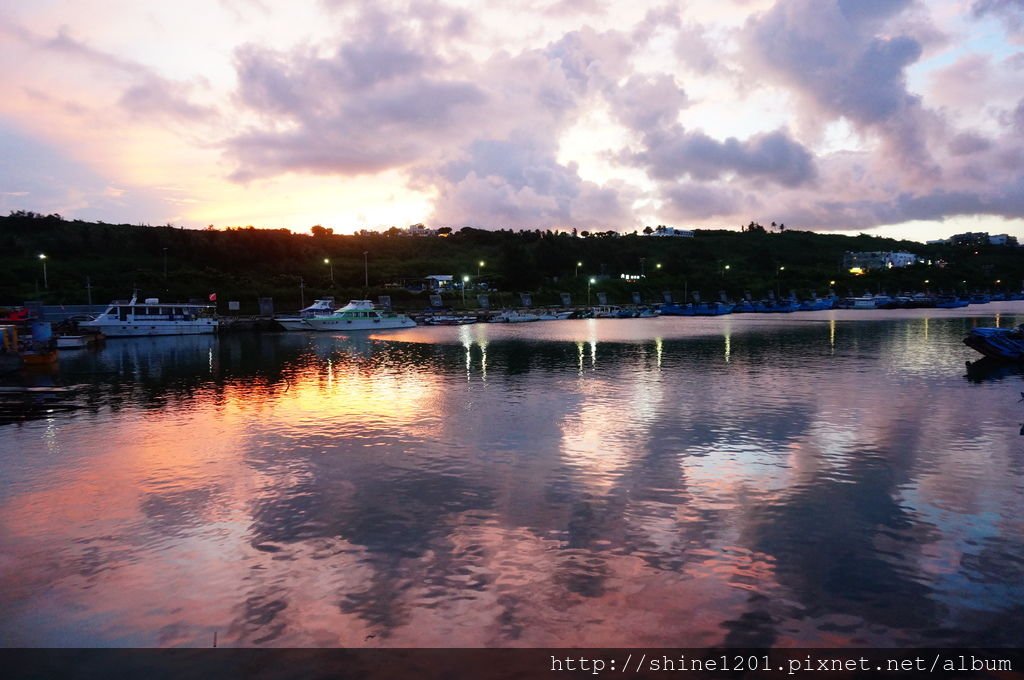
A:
(865, 261)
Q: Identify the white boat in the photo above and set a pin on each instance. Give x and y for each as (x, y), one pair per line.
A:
(554, 316)
(449, 320)
(868, 301)
(323, 307)
(72, 341)
(131, 318)
(514, 316)
(359, 315)
(607, 312)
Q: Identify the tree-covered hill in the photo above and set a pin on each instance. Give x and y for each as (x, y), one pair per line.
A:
(246, 263)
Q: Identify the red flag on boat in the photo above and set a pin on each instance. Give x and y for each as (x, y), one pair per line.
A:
(213, 297)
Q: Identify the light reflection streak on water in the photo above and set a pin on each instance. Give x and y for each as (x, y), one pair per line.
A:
(340, 489)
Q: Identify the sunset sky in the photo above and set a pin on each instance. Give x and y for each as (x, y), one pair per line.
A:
(897, 117)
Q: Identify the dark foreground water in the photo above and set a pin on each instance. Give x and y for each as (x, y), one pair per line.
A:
(825, 479)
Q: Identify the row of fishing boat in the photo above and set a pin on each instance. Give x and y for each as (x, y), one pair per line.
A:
(322, 315)
(151, 317)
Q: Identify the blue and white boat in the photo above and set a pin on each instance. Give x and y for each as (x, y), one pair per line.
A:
(1004, 344)
(950, 302)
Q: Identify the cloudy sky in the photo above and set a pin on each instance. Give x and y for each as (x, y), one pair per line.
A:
(897, 117)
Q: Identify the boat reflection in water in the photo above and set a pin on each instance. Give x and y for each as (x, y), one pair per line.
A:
(660, 482)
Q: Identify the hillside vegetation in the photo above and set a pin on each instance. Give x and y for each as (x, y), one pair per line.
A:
(246, 263)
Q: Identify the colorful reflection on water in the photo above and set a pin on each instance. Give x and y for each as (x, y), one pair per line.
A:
(672, 482)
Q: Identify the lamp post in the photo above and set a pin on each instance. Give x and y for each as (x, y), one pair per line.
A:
(366, 272)
(642, 272)
(465, 280)
(302, 292)
(590, 282)
(165, 264)
(778, 281)
(327, 261)
(578, 265)
(479, 266)
(657, 266)
(42, 258)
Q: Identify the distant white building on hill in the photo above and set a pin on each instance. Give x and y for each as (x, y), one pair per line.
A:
(670, 232)
(877, 260)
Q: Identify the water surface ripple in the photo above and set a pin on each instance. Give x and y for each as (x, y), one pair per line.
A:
(823, 479)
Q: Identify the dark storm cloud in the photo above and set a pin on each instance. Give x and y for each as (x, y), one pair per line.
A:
(519, 181)
(367, 107)
(693, 201)
(1011, 12)
(484, 136)
(674, 153)
(836, 56)
(967, 143)
(647, 101)
(160, 98)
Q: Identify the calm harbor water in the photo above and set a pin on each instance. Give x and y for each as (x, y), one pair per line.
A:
(811, 479)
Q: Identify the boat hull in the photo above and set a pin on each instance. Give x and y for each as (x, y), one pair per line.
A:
(153, 328)
(328, 324)
(1002, 344)
(295, 324)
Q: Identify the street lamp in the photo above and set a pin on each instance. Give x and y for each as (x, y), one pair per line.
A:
(165, 264)
(590, 282)
(328, 262)
(642, 272)
(479, 266)
(778, 280)
(657, 266)
(578, 265)
(465, 280)
(46, 284)
(366, 273)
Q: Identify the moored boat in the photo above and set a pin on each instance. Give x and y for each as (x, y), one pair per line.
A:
(77, 341)
(514, 316)
(131, 318)
(950, 302)
(448, 320)
(359, 315)
(1004, 344)
(322, 307)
